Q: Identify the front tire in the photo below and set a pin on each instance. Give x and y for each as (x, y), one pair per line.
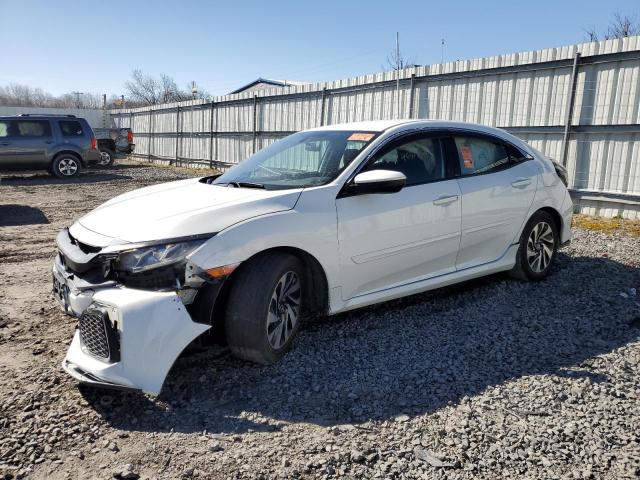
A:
(538, 247)
(264, 307)
(66, 166)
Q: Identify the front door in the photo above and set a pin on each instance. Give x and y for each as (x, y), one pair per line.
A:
(388, 240)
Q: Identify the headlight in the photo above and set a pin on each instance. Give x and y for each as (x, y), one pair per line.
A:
(156, 256)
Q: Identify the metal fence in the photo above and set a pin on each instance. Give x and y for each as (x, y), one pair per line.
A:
(578, 104)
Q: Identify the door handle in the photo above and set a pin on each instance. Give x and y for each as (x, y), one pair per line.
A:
(446, 200)
(49, 142)
(521, 183)
(5, 143)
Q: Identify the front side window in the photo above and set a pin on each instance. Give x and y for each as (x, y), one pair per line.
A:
(420, 160)
(70, 128)
(32, 128)
(304, 159)
(479, 155)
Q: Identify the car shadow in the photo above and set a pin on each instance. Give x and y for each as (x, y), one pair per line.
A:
(42, 178)
(120, 166)
(17, 215)
(411, 356)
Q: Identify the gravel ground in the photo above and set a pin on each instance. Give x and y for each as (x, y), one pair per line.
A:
(492, 378)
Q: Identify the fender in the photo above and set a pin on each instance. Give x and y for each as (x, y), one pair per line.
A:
(315, 232)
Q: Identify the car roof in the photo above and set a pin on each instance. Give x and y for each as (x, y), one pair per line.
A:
(410, 124)
(382, 125)
(40, 117)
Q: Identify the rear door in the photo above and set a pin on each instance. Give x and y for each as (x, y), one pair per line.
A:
(387, 240)
(498, 184)
(30, 140)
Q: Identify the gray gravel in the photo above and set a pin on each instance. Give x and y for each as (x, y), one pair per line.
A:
(491, 378)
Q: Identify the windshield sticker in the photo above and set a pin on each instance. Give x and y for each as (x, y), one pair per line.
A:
(467, 156)
(361, 137)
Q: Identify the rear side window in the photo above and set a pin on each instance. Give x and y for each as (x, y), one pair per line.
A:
(32, 128)
(480, 155)
(71, 128)
(4, 129)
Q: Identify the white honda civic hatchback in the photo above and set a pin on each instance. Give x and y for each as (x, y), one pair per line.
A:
(323, 221)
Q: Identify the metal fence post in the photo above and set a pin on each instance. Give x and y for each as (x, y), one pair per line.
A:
(150, 137)
(322, 105)
(411, 94)
(211, 135)
(255, 121)
(570, 105)
(177, 134)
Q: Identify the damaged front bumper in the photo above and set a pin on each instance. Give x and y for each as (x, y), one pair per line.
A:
(126, 338)
(130, 339)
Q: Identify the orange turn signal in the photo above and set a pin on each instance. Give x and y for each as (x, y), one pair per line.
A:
(219, 272)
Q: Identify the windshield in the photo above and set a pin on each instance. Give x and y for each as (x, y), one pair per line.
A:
(304, 159)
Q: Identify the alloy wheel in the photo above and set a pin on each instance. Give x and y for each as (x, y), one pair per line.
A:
(105, 158)
(68, 166)
(284, 310)
(540, 247)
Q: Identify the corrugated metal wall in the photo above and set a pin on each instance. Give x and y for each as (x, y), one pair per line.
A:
(528, 93)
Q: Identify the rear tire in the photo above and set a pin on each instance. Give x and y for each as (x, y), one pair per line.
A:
(66, 165)
(107, 158)
(538, 247)
(264, 307)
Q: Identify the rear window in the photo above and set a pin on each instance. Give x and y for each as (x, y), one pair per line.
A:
(71, 128)
(32, 128)
(4, 129)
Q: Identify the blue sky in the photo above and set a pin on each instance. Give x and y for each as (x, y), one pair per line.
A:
(86, 46)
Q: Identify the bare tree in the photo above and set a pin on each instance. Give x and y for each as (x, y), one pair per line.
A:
(145, 90)
(619, 27)
(17, 95)
(591, 33)
(622, 26)
(398, 60)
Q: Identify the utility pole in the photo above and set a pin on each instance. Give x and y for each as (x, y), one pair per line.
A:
(442, 51)
(122, 105)
(77, 94)
(397, 75)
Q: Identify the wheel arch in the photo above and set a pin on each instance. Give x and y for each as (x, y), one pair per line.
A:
(68, 152)
(315, 276)
(554, 214)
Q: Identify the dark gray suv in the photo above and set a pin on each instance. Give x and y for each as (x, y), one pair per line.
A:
(60, 144)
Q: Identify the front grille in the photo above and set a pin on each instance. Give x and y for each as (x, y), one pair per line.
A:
(98, 336)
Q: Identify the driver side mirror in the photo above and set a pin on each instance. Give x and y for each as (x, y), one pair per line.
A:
(376, 181)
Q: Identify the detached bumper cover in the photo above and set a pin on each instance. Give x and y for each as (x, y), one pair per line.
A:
(154, 328)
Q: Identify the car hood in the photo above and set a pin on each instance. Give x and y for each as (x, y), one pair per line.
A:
(177, 209)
